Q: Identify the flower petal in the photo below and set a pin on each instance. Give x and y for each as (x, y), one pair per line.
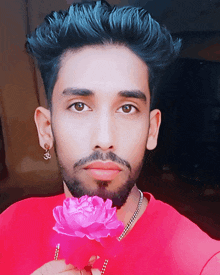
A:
(87, 216)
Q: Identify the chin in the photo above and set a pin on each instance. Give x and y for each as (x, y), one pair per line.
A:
(118, 197)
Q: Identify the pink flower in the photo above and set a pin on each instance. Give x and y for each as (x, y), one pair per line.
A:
(87, 216)
(83, 222)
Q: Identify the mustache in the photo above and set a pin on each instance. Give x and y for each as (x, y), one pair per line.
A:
(101, 156)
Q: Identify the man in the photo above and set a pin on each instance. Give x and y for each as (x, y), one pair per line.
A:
(100, 66)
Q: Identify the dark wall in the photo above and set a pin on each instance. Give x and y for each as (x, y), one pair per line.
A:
(189, 141)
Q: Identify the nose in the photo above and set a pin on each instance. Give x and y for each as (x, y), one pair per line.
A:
(103, 133)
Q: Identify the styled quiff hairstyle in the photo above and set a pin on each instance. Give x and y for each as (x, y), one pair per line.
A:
(97, 23)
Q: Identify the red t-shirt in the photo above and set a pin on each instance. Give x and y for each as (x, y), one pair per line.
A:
(162, 242)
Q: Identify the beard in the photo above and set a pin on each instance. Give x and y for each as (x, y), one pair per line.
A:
(78, 189)
(118, 197)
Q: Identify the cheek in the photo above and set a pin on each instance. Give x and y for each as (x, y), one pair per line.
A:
(134, 142)
(71, 138)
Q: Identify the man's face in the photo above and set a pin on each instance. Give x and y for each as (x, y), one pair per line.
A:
(100, 121)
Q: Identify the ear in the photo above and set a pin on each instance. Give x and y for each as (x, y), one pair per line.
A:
(155, 120)
(42, 118)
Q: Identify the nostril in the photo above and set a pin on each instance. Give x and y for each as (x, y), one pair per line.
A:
(102, 147)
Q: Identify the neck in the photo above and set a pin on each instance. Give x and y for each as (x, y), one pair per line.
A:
(125, 213)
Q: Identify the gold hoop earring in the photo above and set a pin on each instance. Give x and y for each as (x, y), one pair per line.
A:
(47, 154)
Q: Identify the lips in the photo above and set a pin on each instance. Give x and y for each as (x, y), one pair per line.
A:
(103, 166)
(103, 170)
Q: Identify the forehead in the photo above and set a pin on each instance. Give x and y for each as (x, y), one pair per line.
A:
(104, 68)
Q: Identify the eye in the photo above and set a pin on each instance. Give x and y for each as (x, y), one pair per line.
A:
(79, 107)
(128, 109)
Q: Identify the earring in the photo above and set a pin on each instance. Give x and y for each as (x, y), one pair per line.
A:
(47, 154)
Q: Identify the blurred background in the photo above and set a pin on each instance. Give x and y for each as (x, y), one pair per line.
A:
(184, 169)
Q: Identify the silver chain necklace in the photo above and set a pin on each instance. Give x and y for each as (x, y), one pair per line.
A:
(129, 224)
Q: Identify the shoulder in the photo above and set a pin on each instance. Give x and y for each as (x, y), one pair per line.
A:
(25, 228)
(31, 207)
(184, 227)
(212, 266)
(160, 212)
(187, 243)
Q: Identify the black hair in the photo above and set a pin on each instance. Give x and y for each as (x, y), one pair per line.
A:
(98, 23)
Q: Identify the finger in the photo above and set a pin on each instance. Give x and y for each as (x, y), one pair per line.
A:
(58, 265)
(85, 272)
(95, 271)
(48, 269)
(69, 272)
(92, 260)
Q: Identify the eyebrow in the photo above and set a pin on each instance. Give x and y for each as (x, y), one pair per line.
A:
(85, 92)
(133, 94)
(79, 92)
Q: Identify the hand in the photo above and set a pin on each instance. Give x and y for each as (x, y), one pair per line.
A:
(60, 267)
